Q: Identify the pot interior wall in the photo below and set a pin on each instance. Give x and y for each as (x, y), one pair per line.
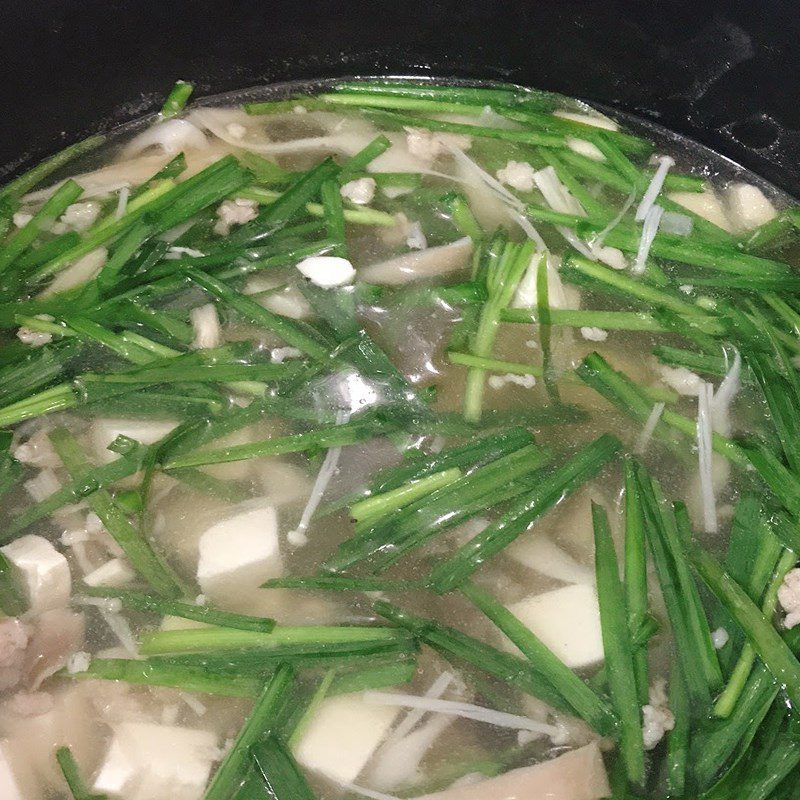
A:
(721, 72)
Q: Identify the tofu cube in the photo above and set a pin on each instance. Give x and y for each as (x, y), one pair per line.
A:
(567, 620)
(541, 554)
(147, 761)
(41, 570)
(343, 735)
(116, 572)
(240, 552)
(103, 432)
(11, 787)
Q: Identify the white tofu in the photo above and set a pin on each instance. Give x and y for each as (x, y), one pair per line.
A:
(705, 204)
(41, 570)
(342, 736)
(115, 572)
(749, 207)
(11, 787)
(240, 552)
(567, 620)
(147, 761)
(105, 430)
(283, 483)
(327, 271)
(539, 553)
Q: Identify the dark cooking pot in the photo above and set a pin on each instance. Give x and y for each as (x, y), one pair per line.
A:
(721, 72)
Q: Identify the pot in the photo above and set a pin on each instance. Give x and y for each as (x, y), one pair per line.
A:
(719, 72)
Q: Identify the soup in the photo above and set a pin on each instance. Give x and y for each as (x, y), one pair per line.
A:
(389, 439)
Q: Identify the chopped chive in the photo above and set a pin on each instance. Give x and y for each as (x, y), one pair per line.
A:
(308, 637)
(281, 106)
(287, 205)
(77, 488)
(125, 248)
(636, 591)
(727, 261)
(54, 207)
(770, 234)
(188, 678)
(783, 483)
(199, 613)
(292, 332)
(618, 161)
(577, 267)
(138, 550)
(462, 216)
(498, 535)
(343, 583)
(480, 95)
(363, 158)
(541, 139)
(281, 776)
(766, 641)
(586, 703)
(619, 390)
(591, 205)
(471, 455)
(493, 364)
(28, 180)
(166, 204)
(266, 172)
(176, 99)
(452, 643)
(608, 320)
(378, 676)
(260, 661)
(387, 540)
(172, 169)
(619, 653)
(75, 783)
(543, 313)
(260, 722)
(328, 436)
(502, 274)
(11, 601)
(714, 747)
(694, 649)
(678, 737)
(334, 216)
(399, 102)
(716, 366)
(379, 505)
(565, 125)
(728, 698)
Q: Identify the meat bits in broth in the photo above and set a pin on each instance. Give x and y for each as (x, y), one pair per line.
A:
(397, 440)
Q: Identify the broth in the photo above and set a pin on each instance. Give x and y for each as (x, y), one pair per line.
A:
(391, 437)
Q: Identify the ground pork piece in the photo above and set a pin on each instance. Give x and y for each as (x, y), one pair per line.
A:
(789, 597)
(429, 145)
(360, 191)
(235, 212)
(518, 175)
(14, 638)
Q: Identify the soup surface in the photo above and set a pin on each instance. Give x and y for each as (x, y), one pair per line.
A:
(397, 440)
